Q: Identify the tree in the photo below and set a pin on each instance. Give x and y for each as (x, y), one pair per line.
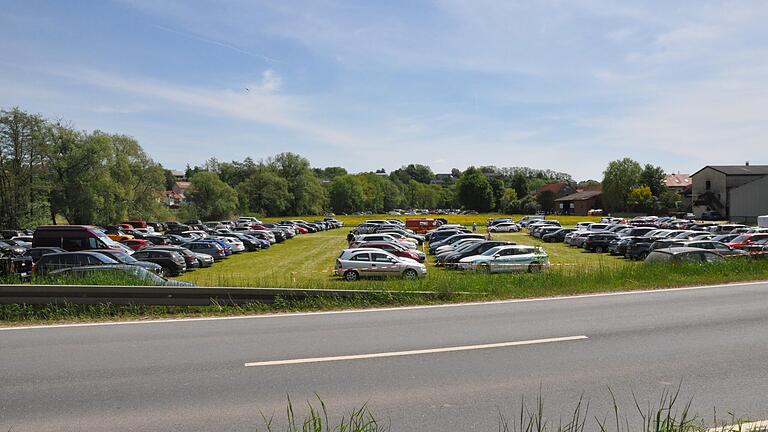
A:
(420, 173)
(641, 198)
(509, 203)
(588, 185)
(136, 180)
(528, 205)
(520, 184)
(655, 178)
(264, 193)
(546, 201)
(309, 197)
(619, 178)
(475, 191)
(210, 198)
(346, 194)
(329, 173)
(497, 185)
(81, 185)
(23, 185)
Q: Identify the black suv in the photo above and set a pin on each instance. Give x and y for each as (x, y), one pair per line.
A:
(173, 263)
(599, 242)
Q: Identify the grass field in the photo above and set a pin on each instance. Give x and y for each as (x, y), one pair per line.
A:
(307, 262)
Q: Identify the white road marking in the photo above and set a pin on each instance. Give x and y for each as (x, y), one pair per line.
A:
(414, 352)
(386, 309)
(742, 427)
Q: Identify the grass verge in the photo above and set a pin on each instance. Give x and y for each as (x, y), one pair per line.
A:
(670, 413)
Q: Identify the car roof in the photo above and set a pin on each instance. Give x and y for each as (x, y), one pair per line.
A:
(681, 250)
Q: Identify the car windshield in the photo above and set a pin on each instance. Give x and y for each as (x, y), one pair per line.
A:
(123, 257)
(492, 251)
(740, 239)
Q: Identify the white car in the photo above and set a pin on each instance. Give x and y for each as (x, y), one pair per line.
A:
(381, 237)
(509, 258)
(505, 227)
(236, 245)
(353, 264)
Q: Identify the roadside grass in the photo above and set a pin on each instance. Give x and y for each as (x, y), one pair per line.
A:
(669, 413)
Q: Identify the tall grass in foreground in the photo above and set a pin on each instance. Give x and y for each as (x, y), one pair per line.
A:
(318, 420)
(668, 414)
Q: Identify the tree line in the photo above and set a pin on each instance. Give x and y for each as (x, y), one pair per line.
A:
(51, 171)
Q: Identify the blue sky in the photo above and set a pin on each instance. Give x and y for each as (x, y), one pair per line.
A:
(564, 85)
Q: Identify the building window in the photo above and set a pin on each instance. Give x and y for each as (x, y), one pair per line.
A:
(709, 185)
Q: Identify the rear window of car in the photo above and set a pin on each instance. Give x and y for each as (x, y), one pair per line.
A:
(658, 257)
(361, 257)
(740, 239)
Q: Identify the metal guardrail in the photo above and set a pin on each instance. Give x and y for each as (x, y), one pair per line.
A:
(176, 296)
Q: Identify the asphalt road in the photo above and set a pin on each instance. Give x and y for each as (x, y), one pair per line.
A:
(191, 375)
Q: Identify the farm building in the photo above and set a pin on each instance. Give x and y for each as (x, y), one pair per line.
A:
(738, 192)
(580, 203)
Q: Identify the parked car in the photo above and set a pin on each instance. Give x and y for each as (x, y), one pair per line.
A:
(543, 230)
(56, 261)
(504, 227)
(433, 246)
(72, 238)
(124, 258)
(396, 249)
(525, 220)
(507, 259)
(143, 274)
(36, 252)
(721, 248)
(557, 236)
(745, 240)
(711, 215)
(683, 254)
(381, 238)
(190, 258)
(215, 250)
(353, 264)
(173, 263)
(136, 244)
(472, 249)
(638, 248)
(599, 242)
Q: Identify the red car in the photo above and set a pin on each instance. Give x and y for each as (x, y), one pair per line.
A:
(136, 244)
(396, 250)
(745, 240)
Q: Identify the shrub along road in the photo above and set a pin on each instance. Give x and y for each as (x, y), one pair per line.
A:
(192, 375)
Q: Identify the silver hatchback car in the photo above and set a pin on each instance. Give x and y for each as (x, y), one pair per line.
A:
(353, 264)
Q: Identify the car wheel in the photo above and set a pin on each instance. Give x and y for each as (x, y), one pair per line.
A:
(484, 268)
(351, 276)
(410, 274)
(161, 272)
(599, 249)
(534, 268)
(643, 256)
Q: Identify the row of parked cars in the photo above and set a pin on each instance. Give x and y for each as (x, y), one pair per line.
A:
(455, 247)
(657, 239)
(388, 248)
(148, 251)
(381, 248)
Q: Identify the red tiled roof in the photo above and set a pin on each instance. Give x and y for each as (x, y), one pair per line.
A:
(678, 180)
